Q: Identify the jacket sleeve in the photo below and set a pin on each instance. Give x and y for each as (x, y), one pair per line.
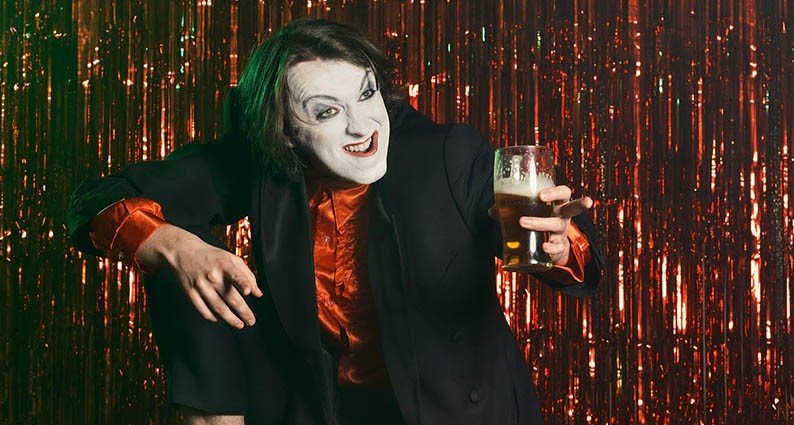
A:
(470, 170)
(199, 184)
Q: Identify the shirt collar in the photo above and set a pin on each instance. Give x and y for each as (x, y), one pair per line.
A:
(346, 198)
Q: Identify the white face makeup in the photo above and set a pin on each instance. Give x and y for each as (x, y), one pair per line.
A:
(339, 119)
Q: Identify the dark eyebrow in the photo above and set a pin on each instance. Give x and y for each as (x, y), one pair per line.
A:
(364, 82)
(323, 96)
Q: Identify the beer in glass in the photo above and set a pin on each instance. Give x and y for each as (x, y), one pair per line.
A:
(520, 173)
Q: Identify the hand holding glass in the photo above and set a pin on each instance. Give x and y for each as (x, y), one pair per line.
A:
(520, 173)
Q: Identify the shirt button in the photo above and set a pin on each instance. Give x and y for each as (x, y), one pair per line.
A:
(325, 239)
(474, 396)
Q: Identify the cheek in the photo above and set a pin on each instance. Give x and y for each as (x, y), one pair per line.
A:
(309, 138)
(383, 114)
(320, 143)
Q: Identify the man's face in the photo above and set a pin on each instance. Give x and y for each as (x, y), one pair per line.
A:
(339, 119)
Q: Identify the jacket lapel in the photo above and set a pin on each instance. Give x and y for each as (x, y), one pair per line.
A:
(283, 229)
(387, 283)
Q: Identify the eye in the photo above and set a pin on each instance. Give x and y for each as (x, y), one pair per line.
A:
(367, 94)
(328, 113)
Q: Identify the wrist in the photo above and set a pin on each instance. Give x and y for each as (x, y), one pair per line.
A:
(160, 249)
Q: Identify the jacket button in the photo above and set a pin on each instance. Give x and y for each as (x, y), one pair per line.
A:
(456, 337)
(474, 396)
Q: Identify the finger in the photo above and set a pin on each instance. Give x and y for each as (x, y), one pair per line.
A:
(575, 207)
(545, 224)
(557, 193)
(216, 303)
(249, 277)
(553, 248)
(557, 237)
(232, 274)
(238, 305)
(202, 308)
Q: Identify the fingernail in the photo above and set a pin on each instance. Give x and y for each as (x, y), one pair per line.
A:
(251, 322)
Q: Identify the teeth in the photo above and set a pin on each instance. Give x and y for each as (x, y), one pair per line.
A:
(361, 147)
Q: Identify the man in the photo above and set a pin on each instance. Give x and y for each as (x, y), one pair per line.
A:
(371, 236)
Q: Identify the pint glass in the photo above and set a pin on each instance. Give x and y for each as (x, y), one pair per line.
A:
(520, 172)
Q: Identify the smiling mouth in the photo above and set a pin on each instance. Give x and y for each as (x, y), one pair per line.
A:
(365, 148)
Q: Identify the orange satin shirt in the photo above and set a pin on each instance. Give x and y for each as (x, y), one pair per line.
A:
(344, 304)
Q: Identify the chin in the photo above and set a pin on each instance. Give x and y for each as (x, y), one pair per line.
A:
(370, 176)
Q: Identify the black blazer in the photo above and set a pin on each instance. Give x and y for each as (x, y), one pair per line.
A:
(450, 355)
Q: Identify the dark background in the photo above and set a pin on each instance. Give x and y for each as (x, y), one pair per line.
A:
(676, 117)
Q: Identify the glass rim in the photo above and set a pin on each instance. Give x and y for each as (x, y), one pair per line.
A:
(524, 149)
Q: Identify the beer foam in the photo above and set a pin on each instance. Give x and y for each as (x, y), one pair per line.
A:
(526, 187)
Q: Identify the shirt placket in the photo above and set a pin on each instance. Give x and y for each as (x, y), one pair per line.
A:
(325, 246)
(340, 270)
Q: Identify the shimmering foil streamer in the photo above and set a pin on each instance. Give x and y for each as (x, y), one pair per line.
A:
(676, 117)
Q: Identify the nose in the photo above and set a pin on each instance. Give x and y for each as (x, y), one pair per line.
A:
(358, 123)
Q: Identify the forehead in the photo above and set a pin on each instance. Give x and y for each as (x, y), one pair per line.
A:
(334, 78)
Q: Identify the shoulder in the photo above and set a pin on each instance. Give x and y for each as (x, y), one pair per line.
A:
(410, 126)
(464, 142)
(421, 142)
(226, 155)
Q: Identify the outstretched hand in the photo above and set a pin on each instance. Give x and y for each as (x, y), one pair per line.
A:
(558, 247)
(213, 279)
